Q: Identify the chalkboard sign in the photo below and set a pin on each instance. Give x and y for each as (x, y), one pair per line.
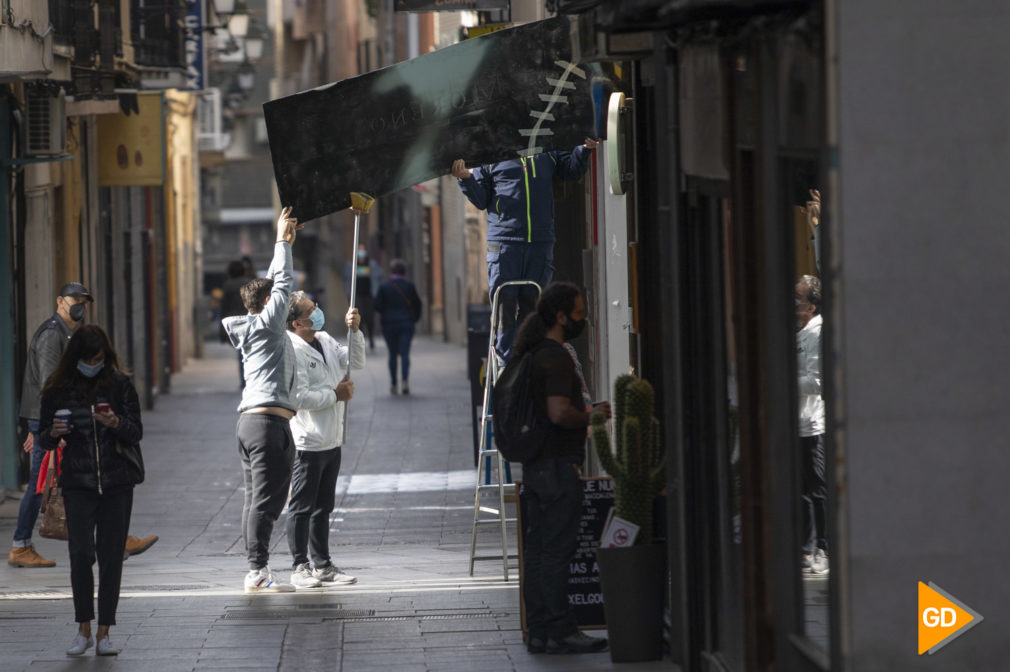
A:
(508, 93)
(584, 593)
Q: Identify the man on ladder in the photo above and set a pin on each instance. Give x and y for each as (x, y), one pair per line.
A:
(518, 195)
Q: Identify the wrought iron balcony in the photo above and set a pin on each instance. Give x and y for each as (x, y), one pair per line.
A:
(158, 32)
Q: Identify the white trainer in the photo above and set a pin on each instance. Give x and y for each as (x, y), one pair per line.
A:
(80, 644)
(264, 581)
(105, 648)
(330, 575)
(819, 564)
(302, 577)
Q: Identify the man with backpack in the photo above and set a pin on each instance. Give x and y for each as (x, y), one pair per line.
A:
(551, 470)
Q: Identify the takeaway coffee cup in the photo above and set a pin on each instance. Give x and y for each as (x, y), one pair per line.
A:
(63, 415)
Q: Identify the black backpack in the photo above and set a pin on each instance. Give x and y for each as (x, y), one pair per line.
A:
(518, 434)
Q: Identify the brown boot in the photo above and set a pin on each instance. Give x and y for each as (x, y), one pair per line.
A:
(136, 545)
(27, 557)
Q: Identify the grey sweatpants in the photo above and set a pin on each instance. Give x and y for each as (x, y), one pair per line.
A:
(266, 449)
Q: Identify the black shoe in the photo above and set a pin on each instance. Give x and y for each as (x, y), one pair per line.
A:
(536, 645)
(577, 642)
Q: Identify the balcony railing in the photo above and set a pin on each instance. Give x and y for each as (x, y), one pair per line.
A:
(158, 34)
(61, 18)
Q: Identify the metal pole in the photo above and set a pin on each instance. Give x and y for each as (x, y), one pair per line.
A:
(361, 203)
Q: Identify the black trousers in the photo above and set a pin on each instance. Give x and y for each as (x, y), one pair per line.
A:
(266, 449)
(313, 496)
(553, 505)
(814, 494)
(97, 526)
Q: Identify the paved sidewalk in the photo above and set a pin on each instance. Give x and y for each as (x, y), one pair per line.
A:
(402, 526)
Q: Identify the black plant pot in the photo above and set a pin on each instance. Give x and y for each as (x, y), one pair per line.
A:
(633, 580)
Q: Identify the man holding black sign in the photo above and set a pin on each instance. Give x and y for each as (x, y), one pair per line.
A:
(518, 195)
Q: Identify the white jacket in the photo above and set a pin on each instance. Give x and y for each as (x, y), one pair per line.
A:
(318, 425)
(808, 365)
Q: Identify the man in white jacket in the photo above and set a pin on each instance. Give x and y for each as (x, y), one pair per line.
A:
(811, 424)
(317, 428)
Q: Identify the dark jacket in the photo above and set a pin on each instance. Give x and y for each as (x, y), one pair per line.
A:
(79, 468)
(518, 194)
(231, 301)
(44, 352)
(398, 302)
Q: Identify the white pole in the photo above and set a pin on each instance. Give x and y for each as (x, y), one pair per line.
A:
(350, 332)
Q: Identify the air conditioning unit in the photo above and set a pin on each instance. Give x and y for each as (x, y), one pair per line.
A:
(46, 117)
(211, 135)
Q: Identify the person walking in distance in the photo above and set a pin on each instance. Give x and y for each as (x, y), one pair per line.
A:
(551, 480)
(90, 404)
(518, 195)
(44, 352)
(231, 303)
(321, 393)
(265, 445)
(811, 424)
(400, 307)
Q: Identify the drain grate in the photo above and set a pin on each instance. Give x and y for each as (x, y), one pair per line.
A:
(280, 614)
(36, 595)
(166, 587)
(426, 617)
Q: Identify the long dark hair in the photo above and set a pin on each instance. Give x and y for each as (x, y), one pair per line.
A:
(559, 297)
(86, 343)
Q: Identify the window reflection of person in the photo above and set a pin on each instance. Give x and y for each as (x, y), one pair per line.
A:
(811, 424)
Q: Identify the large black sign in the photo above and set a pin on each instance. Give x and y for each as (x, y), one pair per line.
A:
(448, 5)
(584, 593)
(512, 92)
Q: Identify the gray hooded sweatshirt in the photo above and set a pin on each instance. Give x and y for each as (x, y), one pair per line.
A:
(267, 355)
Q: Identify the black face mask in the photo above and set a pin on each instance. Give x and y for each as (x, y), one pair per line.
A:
(77, 311)
(572, 329)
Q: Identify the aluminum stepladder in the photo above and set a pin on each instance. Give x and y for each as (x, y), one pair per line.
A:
(488, 456)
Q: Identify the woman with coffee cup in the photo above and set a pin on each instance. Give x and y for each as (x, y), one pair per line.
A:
(97, 477)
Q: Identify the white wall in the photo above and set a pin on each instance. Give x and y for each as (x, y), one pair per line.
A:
(922, 242)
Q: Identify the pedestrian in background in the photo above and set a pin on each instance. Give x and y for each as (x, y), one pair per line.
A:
(317, 428)
(100, 423)
(44, 353)
(366, 287)
(266, 448)
(400, 307)
(231, 302)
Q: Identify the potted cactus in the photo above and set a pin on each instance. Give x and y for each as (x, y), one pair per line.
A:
(633, 578)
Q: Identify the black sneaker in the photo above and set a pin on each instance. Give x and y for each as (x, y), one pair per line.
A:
(577, 642)
(536, 644)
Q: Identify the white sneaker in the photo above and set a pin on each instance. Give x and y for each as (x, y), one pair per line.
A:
(105, 648)
(263, 581)
(80, 645)
(819, 564)
(302, 577)
(331, 575)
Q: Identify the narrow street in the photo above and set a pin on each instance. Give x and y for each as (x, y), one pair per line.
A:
(402, 526)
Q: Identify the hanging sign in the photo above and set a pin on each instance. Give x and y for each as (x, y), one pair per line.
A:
(193, 32)
(507, 94)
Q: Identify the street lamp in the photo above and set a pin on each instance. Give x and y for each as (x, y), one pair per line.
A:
(254, 42)
(224, 8)
(246, 76)
(238, 24)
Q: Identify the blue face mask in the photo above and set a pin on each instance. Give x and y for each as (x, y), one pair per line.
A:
(90, 370)
(318, 319)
